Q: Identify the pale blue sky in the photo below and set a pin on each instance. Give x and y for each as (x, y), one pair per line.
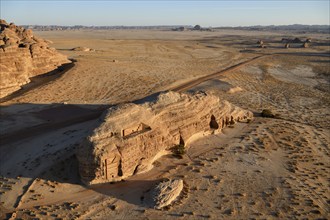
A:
(205, 13)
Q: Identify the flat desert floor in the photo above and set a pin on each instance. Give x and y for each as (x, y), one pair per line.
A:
(270, 168)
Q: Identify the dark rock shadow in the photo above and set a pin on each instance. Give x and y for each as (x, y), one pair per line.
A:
(304, 53)
(47, 127)
(136, 192)
(320, 61)
(40, 80)
(151, 98)
(49, 160)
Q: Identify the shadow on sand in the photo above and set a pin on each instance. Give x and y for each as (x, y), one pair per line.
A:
(136, 192)
(45, 146)
(40, 80)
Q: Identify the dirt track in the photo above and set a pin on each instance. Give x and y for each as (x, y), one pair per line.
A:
(268, 168)
(195, 82)
(47, 127)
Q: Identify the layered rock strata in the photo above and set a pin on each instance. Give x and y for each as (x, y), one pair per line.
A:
(22, 56)
(132, 135)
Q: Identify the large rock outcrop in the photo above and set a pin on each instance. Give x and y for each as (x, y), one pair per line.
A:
(22, 56)
(132, 135)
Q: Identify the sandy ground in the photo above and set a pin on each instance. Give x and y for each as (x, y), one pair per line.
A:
(266, 169)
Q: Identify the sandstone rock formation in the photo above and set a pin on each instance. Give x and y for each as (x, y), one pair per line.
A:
(290, 40)
(84, 49)
(260, 42)
(166, 192)
(132, 135)
(296, 40)
(197, 27)
(23, 56)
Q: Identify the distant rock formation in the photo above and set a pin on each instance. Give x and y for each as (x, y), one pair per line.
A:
(85, 49)
(23, 56)
(260, 44)
(289, 40)
(179, 29)
(197, 27)
(287, 45)
(305, 45)
(296, 40)
(132, 135)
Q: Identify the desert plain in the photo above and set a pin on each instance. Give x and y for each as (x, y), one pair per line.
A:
(265, 168)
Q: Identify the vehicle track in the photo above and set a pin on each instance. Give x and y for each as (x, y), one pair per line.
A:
(48, 127)
(191, 84)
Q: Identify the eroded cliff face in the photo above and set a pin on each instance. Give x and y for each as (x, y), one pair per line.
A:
(132, 136)
(22, 56)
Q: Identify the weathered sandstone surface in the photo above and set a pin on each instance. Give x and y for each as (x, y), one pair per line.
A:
(166, 192)
(132, 135)
(23, 56)
(84, 49)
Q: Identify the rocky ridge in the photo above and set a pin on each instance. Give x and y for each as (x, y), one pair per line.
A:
(132, 136)
(23, 56)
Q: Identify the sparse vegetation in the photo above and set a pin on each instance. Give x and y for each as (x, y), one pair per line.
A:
(269, 168)
(178, 151)
(113, 207)
(156, 163)
(266, 113)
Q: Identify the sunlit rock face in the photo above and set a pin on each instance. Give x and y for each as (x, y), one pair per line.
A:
(23, 56)
(132, 135)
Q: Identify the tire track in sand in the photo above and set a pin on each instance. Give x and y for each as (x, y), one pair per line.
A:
(195, 82)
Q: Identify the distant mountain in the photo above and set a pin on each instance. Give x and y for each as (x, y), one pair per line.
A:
(82, 27)
(301, 28)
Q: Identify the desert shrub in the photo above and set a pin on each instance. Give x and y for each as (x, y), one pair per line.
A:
(266, 113)
(178, 151)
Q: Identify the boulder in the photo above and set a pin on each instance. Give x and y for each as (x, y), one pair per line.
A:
(84, 49)
(260, 42)
(296, 40)
(166, 192)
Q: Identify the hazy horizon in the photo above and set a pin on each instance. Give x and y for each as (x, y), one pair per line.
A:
(165, 25)
(166, 13)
